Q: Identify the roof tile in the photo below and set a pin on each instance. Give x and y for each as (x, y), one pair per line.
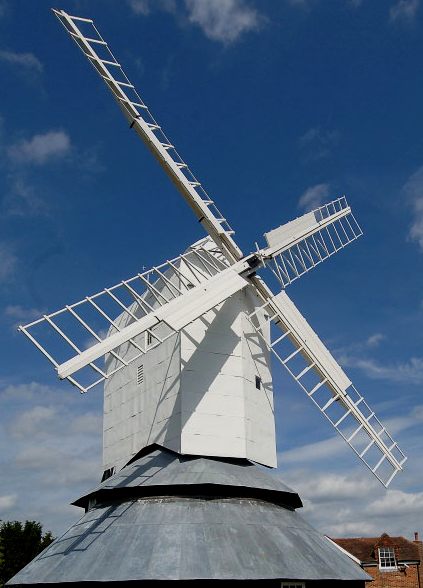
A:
(365, 548)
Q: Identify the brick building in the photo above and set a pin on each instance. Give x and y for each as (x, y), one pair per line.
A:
(393, 562)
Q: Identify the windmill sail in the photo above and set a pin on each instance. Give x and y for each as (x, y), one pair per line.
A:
(142, 121)
(311, 364)
(156, 303)
(162, 301)
(298, 246)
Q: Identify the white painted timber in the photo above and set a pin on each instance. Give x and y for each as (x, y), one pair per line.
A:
(289, 234)
(332, 392)
(313, 346)
(199, 392)
(176, 314)
(259, 408)
(222, 356)
(137, 415)
(153, 136)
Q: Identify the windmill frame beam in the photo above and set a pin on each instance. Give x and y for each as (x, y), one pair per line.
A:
(271, 252)
(305, 341)
(176, 313)
(196, 299)
(161, 150)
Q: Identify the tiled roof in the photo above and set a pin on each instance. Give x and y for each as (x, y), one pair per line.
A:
(365, 548)
(419, 545)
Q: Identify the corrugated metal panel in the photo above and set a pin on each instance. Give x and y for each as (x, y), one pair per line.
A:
(183, 538)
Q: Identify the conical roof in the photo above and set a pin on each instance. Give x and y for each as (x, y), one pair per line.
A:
(189, 518)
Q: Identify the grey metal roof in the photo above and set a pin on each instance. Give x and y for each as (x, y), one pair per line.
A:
(175, 538)
(187, 518)
(162, 471)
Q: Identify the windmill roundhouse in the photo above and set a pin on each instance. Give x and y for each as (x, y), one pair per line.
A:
(188, 397)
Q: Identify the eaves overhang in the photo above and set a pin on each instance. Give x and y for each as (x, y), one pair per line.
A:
(158, 471)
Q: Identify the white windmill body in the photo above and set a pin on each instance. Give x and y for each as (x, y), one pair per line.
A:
(184, 351)
(206, 390)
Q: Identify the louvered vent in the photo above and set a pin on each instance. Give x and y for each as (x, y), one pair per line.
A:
(140, 375)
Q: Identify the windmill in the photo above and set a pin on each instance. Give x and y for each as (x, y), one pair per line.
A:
(184, 348)
(184, 352)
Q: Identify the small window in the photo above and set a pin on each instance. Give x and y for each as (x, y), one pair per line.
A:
(149, 338)
(387, 559)
(258, 382)
(108, 474)
(292, 585)
(140, 375)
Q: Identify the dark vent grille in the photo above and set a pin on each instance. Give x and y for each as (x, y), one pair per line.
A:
(140, 375)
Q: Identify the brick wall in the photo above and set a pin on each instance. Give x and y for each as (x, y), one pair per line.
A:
(394, 579)
(419, 545)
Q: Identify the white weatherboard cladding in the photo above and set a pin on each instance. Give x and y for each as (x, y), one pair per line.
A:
(259, 409)
(138, 415)
(198, 394)
(223, 412)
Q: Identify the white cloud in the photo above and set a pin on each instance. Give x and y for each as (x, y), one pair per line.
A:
(51, 441)
(357, 528)
(413, 190)
(140, 6)
(396, 503)
(26, 60)
(318, 143)
(334, 450)
(21, 315)
(26, 392)
(403, 422)
(337, 487)
(409, 372)
(220, 20)
(313, 197)
(300, 3)
(7, 501)
(328, 448)
(87, 423)
(145, 7)
(41, 148)
(223, 20)
(416, 229)
(375, 340)
(356, 355)
(8, 261)
(353, 504)
(404, 10)
(58, 465)
(22, 200)
(33, 421)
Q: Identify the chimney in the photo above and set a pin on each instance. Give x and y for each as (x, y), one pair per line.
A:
(416, 535)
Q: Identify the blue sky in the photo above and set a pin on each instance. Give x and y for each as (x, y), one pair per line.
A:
(276, 106)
